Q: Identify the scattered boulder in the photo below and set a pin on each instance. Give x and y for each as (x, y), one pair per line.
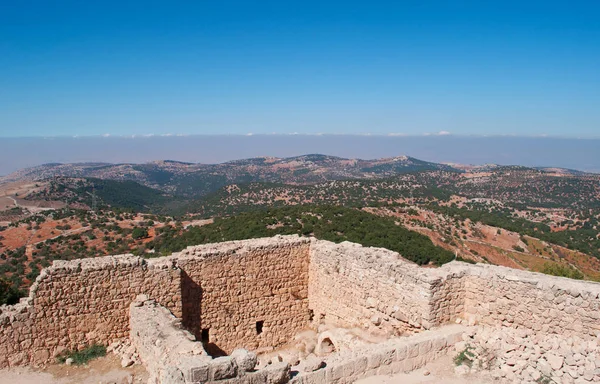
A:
(556, 362)
(126, 352)
(311, 364)
(125, 362)
(376, 320)
(222, 368)
(278, 373)
(245, 360)
(462, 370)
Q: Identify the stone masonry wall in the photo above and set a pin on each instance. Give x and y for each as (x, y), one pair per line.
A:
(503, 296)
(78, 303)
(397, 355)
(447, 300)
(226, 288)
(355, 286)
(251, 294)
(258, 293)
(370, 287)
(172, 355)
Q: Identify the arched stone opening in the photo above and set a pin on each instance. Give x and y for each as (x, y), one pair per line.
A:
(327, 346)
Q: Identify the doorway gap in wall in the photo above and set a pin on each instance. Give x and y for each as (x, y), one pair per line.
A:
(206, 335)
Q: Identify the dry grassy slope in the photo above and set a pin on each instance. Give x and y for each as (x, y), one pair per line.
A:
(487, 244)
(12, 195)
(71, 231)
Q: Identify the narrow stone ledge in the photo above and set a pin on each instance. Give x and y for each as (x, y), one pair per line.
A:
(389, 357)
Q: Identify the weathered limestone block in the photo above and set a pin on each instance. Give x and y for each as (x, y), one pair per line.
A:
(278, 373)
(245, 360)
(385, 358)
(311, 364)
(171, 375)
(194, 371)
(222, 368)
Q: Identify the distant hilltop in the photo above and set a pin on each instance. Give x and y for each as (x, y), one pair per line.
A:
(195, 179)
(568, 153)
(164, 174)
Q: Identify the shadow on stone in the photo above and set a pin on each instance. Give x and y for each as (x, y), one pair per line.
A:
(191, 299)
(214, 350)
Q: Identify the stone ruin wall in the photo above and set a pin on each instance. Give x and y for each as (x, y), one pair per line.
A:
(280, 281)
(226, 287)
(233, 289)
(555, 305)
(446, 298)
(354, 286)
(78, 303)
(171, 355)
(159, 339)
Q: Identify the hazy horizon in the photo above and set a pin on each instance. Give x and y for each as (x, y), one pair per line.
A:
(579, 154)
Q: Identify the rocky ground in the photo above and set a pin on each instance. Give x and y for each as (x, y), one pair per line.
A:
(440, 371)
(486, 355)
(520, 355)
(105, 370)
(506, 355)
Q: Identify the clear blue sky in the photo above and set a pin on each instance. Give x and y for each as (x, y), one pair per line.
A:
(206, 67)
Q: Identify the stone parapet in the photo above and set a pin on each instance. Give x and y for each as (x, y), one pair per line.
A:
(396, 355)
(78, 303)
(495, 295)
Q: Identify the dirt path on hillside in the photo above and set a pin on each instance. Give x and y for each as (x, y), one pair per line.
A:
(14, 201)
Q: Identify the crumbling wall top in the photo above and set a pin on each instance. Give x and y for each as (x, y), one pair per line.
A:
(539, 280)
(231, 247)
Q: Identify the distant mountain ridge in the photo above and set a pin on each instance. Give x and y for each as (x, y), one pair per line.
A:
(193, 180)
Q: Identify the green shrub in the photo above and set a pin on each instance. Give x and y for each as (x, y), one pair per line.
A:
(465, 357)
(139, 233)
(518, 248)
(333, 223)
(85, 355)
(562, 270)
(8, 293)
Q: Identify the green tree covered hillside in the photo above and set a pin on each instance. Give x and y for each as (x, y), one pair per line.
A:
(332, 223)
